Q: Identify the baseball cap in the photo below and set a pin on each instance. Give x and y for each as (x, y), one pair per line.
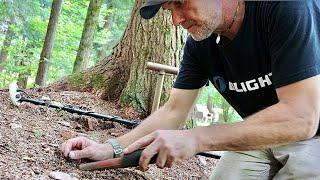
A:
(150, 8)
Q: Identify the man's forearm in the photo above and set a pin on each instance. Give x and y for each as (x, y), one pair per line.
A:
(163, 119)
(274, 126)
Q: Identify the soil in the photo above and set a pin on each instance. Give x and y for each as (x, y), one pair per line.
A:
(30, 138)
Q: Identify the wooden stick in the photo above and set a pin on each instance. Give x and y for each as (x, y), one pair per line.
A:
(158, 91)
(160, 67)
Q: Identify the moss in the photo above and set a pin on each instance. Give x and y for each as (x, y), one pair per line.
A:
(145, 52)
(166, 30)
(97, 81)
(77, 79)
(133, 97)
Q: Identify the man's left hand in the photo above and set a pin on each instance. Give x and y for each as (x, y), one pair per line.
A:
(170, 145)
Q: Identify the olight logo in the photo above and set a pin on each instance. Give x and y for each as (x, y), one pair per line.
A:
(251, 85)
(219, 83)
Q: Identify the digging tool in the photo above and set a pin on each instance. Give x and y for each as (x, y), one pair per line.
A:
(128, 160)
(18, 96)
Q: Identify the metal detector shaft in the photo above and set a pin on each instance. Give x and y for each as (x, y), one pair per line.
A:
(209, 155)
(81, 112)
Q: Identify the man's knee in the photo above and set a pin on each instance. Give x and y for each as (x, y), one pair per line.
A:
(245, 165)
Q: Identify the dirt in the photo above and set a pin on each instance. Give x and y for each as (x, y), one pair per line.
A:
(30, 137)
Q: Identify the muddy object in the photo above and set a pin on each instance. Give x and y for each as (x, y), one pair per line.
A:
(129, 160)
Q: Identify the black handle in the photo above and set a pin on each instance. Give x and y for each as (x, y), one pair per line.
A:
(132, 159)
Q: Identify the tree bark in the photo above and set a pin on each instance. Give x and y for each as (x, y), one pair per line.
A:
(7, 43)
(225, 114)
(122, 75)
(23, 76)
(48, 43)
(87, 35)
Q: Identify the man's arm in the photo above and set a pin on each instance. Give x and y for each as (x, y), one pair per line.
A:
(294, 118)
(169, 117)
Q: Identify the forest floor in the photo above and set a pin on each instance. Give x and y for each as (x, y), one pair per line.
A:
(30, 139)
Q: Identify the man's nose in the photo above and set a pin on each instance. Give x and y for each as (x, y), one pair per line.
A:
(177, 18)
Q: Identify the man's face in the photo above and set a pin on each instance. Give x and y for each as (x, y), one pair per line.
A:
(199, 17)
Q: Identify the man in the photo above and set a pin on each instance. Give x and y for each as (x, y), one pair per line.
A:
(264, 58)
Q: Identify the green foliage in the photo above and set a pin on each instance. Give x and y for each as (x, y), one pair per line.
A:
(30, 26)
(37, 132)
(218, 101)
(190, 124)
(61, 112)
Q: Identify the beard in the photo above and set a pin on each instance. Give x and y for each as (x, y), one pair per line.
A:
(202, 33)
(208, 24)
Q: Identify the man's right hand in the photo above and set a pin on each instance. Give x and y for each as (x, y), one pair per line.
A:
(84, 148)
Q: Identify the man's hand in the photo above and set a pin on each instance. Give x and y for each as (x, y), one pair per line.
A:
(84, 148)
(170, 145)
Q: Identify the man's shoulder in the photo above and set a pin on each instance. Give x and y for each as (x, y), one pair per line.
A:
(268, 4)
(295, 6)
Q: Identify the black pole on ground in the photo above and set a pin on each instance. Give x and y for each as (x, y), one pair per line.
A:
(74, 110)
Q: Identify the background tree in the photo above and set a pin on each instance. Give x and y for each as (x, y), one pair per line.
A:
(48, 43)
(15, 14)
(87, 35)
(31, 22)
(7, 41)
(106, 26)
(122, 75)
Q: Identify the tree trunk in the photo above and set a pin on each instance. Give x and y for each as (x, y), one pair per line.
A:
(107, 26)
(225, 114)
(23, 76)
(87, 35)
(122, 75)
(7, 43)
(48, 43)
(109, 17)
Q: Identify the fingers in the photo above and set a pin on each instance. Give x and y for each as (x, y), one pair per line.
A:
(81, 154)
(142, 142)
(170, 161)
(162, 158)
(78, 142)
(147, 154)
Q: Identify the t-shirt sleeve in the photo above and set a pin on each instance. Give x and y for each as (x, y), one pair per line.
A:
(294, 41)
(191, 75)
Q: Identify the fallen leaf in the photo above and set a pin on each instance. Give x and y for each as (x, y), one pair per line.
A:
(66, 135)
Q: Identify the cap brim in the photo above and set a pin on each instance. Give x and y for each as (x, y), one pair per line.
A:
(148, 12)
(150, 8)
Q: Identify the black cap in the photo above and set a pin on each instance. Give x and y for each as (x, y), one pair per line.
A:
(150, 8)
